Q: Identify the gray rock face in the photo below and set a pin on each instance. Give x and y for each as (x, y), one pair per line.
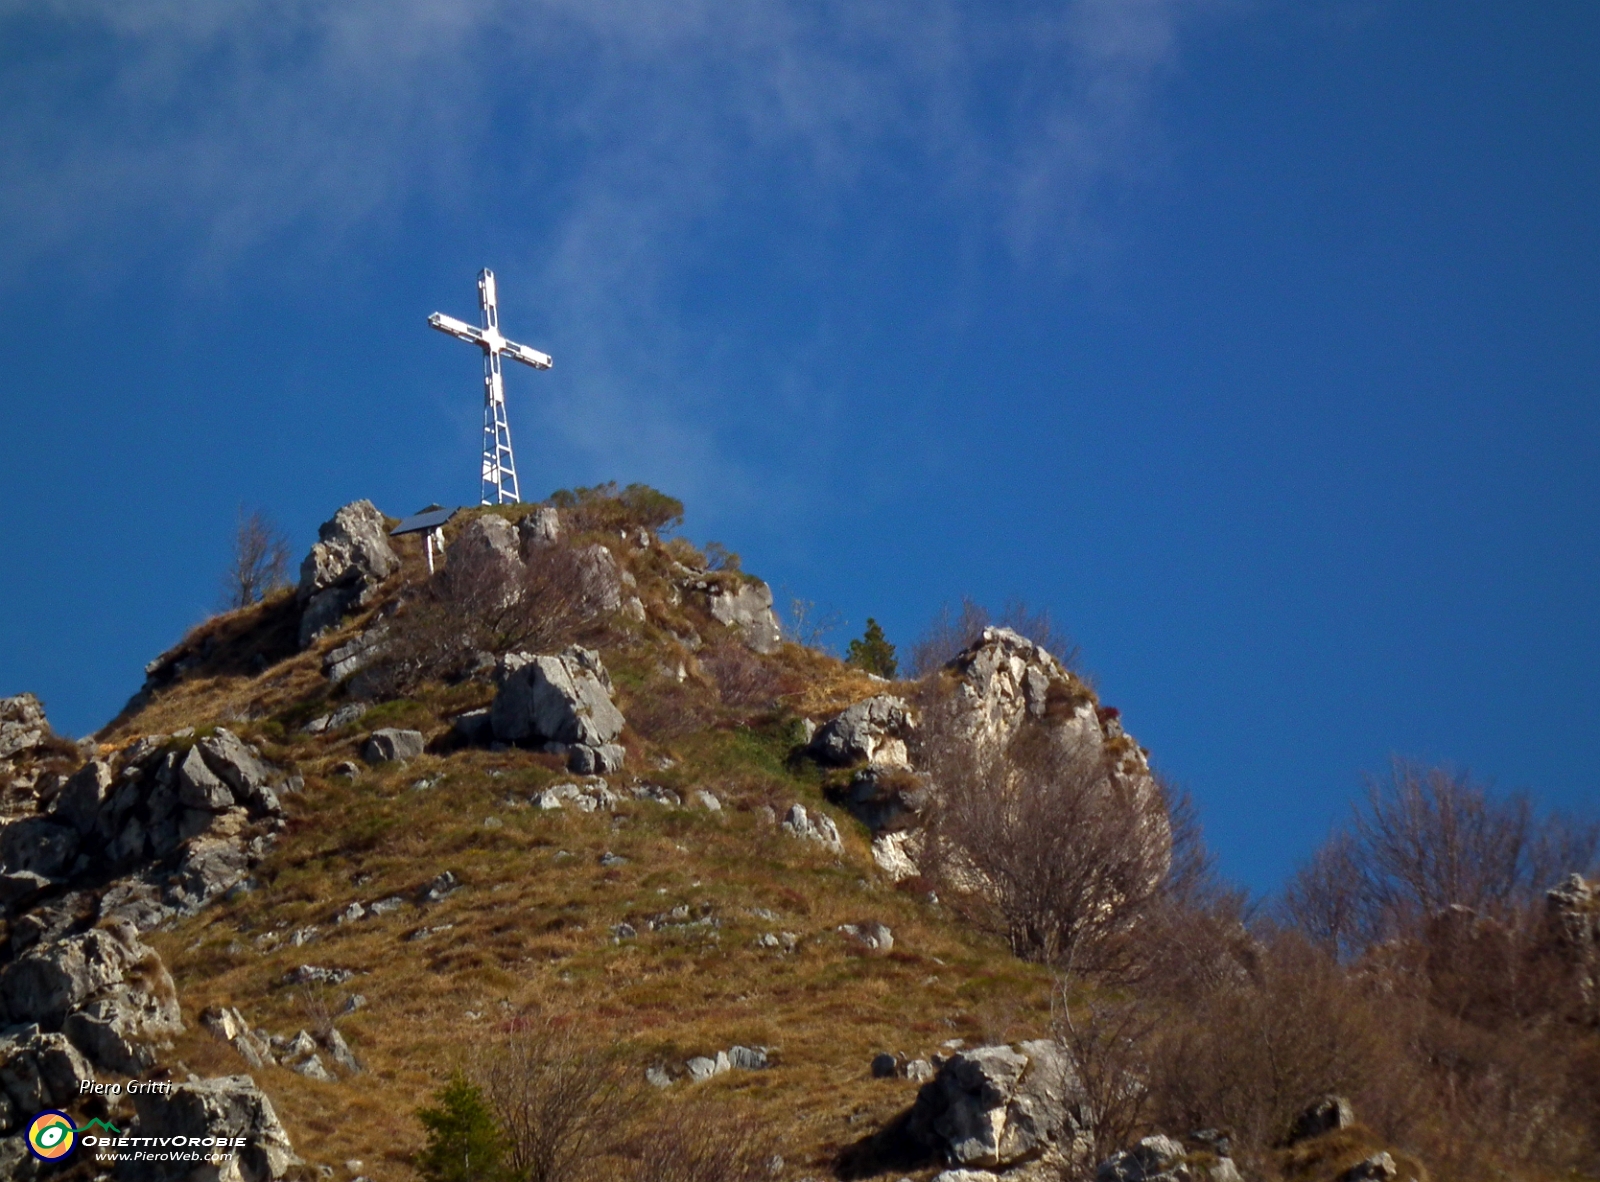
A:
(871, 731)
(82, 796)
(872, 935)
(390, 744)
(1379, 1167)
(489, 536)
(557, 699)
(228, 1106)
(1151, 1160)
(1004, 678)
(748, 1058)
(118, 1029)
(209, 808)
(344, 568)
(585, 760)
(360, 651)
(35, 845)
(39, 1070)
(821, 829)
(1573, 914)
(22, 725)
(109, 993)
(893, 854)
(540, 528)
(602, 577)
(998, 1106)
(748, 610)
(1326, 1115)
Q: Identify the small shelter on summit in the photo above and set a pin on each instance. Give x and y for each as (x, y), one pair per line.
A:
(429, 522)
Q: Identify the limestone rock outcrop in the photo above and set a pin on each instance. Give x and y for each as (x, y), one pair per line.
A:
(1003, 678)
(104, 989)
(820, 829)
(227, 1106)
(747, 609)
(179, 823)
(22, 725)
(872, 731)
(996, 1107)
(351, 557)
(559, 701)
(489, 536)
(37, 1070)
(1160, 1158)
(1573, 911)
(392, 744)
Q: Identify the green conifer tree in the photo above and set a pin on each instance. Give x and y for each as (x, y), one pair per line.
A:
(872, 652)
(464, 1143)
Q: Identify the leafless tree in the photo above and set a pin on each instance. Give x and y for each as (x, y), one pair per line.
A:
(809, 625)
(951, 632)
(558, 1101)
(260, 562)
(1255, 1050)
(1043, 842)
(1427, 839)
(1108, 1039)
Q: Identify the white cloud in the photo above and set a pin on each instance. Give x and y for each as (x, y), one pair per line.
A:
(125, 122)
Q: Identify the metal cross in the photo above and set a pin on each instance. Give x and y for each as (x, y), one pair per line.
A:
(499, 467)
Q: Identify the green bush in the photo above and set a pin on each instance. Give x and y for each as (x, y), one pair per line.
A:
(873, 652)
(605, 507)
(464, 1143)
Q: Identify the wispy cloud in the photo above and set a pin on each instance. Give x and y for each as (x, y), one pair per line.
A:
(629, 125)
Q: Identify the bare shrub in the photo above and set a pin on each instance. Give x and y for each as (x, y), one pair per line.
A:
(669, 710)
(743, 679)
(701, 1142)
(950, 632)
(482, 602)
(1042, 842)
(1290, 1026)
(808, 625)
(260, 562)
(557, 1101)
(1109, 1041)
(1506, 1101)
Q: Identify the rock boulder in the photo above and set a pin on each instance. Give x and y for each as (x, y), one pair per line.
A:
(227, 1106)
(821, 829)
(1000, 1106)
(746, 608)
(22, 725)
(351, 557)
(555, 699)
(1326, 1115)
(873, 731)
(391, 744)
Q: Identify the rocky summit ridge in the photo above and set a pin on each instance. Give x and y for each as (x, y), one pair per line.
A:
(341, 841)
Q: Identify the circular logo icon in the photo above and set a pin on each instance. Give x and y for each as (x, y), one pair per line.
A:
(51, 1136)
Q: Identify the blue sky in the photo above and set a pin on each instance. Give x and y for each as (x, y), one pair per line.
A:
(1256, 340)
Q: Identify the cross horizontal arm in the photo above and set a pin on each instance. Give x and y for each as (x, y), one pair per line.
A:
(526, 355)
(456, 328)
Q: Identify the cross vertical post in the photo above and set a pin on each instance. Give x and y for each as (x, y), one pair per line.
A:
(498, 473)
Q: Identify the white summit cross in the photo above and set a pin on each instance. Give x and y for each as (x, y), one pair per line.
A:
(499, 468)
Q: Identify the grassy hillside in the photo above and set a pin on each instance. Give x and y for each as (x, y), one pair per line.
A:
(531, 928)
